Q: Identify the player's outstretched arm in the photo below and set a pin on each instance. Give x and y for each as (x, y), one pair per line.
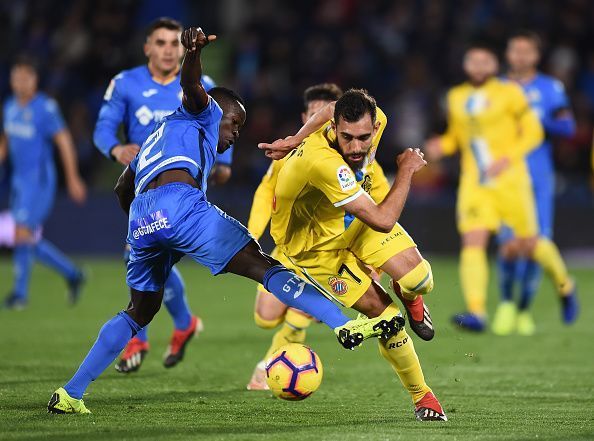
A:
(76, 186)
(281, 147)
(124, 189)
(384, 216)
(195, 97)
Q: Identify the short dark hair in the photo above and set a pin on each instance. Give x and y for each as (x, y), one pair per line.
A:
(321, 92)
(483, 45)
(225, 97)
(354, 104)
(26, 61)
(164, 22)
(526, 34)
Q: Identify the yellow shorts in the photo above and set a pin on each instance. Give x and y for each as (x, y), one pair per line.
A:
(344, 274)
(484, 207)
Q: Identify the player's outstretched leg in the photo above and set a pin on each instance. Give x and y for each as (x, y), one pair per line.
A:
(399, 351)
(112, 338)
(412, 278)
(186, 324)
(295, 292)
(49, 255)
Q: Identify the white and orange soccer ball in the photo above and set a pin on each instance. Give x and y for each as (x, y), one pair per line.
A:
(294, 372)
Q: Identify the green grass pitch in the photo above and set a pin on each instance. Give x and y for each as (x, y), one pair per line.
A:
(491, 387)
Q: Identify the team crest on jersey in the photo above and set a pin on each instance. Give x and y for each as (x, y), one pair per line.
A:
(346, 179)
(339, 286)
(366, 184)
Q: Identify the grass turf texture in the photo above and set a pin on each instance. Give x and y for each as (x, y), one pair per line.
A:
(491, 387)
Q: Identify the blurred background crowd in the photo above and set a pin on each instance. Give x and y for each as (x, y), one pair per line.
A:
(407, 53)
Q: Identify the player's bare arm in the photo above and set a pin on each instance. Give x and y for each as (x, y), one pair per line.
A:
(195, 97)
(281, 147)
(124, 189)
(76, 186)
(384, 216)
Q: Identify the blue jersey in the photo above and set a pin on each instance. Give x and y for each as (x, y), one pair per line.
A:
(183, 140)
(547, 96)
(30, 130)
(139, 102)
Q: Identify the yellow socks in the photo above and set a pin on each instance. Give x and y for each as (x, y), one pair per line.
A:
(547, 255)
(418, 281)
(292, 331)
(400, 353)
(474, 278)
(261, 322)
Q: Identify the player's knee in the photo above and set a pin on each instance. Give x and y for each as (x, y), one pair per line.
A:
(266, 322)
(419, 280)
(22, 235)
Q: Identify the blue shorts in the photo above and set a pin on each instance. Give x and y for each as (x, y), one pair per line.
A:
(32, 198)
(174, 220)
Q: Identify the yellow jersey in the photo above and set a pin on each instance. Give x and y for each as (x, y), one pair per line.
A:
(488, 123)
(312, 187)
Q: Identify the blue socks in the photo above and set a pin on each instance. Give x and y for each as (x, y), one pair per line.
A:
(530, 283)
(112, 338)
(528, 272)
(175, 300)
(295, 292)
(23, 262)
(507, 277)
(49, 255)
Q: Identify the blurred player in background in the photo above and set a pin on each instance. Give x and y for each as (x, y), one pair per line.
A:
(32, 123)
(334, 218)
(269, 312)
(494, 128)
(547, 98)
(164, 192)
(139, 98)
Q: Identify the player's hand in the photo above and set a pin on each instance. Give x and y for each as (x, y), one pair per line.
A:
(77, 190)
(497, 167)
(411, 159)
(281, 147)
(124, 154)
(433, 148)
(195, 38)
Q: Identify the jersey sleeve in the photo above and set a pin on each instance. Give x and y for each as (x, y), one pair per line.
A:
(110, 117)
(207, 82)
(333, 177)
(53, 118)
(380, 185)
(530, 129)
(449, 140)
(261, 210)
(225, 158)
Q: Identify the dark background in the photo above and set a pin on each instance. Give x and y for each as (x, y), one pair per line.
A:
(406, 53)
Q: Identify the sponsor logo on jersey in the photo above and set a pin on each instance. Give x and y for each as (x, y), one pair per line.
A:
(20, 130)
(149, 93)
(339, 286)
(146, 116)
(477, 103)
(346, 179)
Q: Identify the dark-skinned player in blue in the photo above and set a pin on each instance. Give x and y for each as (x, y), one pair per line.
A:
(164, 191)
(139, 98)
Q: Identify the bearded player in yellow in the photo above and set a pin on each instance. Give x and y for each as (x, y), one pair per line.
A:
(492, 125)
(332, 231)
(268, 311)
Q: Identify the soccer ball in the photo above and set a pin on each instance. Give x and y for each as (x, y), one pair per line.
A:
(294, 372)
